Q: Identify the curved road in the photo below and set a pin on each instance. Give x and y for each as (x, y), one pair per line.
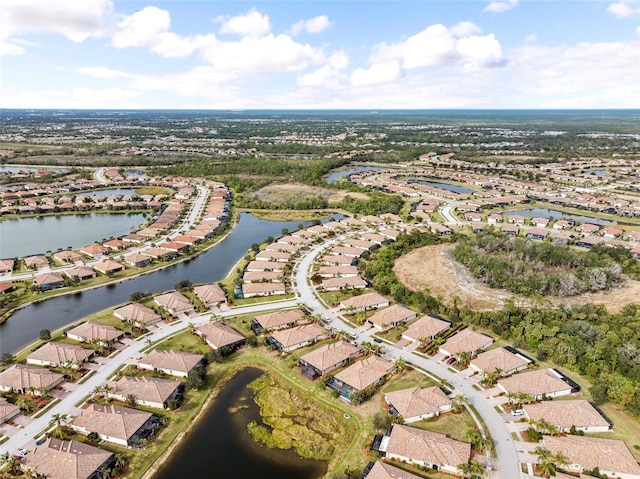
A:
(506, 452)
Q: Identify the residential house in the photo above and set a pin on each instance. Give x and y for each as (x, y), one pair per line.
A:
(265, 266)
(537, 233)
(49, 281)
(612, 457)
(278, 320)
(138, 260)
(173, 363)
(587, 228)
(174, 302)
(94, 251)
(509, 229)
(80, 273)
(38, 261)
(22, 378)
(338, 271)
(327, 358)
(90, 331)
(465, 341)
(364, 302)
(262, 277)
(159, 253)
(6, 266)
(383, 470)
(414, 404)
(120, 425)
(367, 372)
(210, 294)
(57, 354)
(338, 260)
(137, 314)
(250, 290)
(7, 410)
(425, 329)
(287, 340)
(343, 283)
(538, 384)
(149, 392)
(68, 256)
(564, 415)
(108, 267)
(347, 251)
(589, 241)
(219, 335)
(58, 459)
(390, 317)
(425, 448)
(506, 360)
(7, 288)
(277, 256)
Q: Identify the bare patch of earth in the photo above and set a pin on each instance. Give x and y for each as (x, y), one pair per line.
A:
(296, 192)
(431, 268)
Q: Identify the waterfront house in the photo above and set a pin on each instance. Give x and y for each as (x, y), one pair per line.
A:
(174, 363)
(138, 260)
(91, 331)
(68, 256)
(21, 378)
(159, 253)
(327, 358)
(265, 266)
(36, 262)
(137, 314)
(277, 256)
(149, 392)
(120, 425)
(218, 335)
(108, 267)
(262, 277)
(383, 470)
(80, 273)
(210, 294)
(93, 251)
(49, 281)
(370, 371)
(116, 245)
(278, 320)
(58, 459)
(174, 302)
(250, 290)
(414, 404)
(57, 354)
(6, 266)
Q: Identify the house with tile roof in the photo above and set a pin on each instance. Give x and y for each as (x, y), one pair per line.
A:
(364, 302)
(147, 391)
(80, 273)
(137, 314)
(564, 415)
(384, 470)
(262, 276)
(367, 372)
(120, 425)
(174, 302)
(538, 384)
(7, 410)
(21, 377)
(108, 266)
(56, 354)
(468, 341)
(414, 404)
(92, 331)
(327, 358)
(342, 283)
(390, 317)
(612, 457)
(173, 363)
(338, 271)
(425, 329)
(287, 340)
(218, 335)
(251, 290)
(49, 281)
(503, 359)
(210, 294)
(278, 320)
(57, 459)
(425, 448)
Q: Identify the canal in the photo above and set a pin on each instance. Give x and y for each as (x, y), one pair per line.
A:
(22, 328)
(220, 445)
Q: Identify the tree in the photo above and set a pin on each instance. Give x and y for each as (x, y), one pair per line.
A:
(45, 334)
(459, 402)
(131, 400)
(7, 359)
(195, 378)
(58, 419)
(183, 285)
(472, 470)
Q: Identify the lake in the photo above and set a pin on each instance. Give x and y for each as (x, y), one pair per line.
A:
(445, 186)
(220, 445)
(22, 328)
(26, 236)
(109, 192)
(336, 175)
(558, 215)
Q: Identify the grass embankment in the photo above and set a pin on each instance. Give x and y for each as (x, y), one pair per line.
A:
(291, 215)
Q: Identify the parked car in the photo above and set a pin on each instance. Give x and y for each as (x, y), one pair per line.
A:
(517, 412)
(451, 360)
(354, 335)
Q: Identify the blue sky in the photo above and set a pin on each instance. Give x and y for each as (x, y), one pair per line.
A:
(324, 54)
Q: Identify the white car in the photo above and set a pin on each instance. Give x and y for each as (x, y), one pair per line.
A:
(517, 412)
(354, 335)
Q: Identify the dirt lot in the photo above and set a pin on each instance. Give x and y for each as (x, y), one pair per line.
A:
(279, 193)
(433, 269)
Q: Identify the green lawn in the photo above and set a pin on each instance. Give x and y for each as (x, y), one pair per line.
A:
(450, 424)
(185, 341)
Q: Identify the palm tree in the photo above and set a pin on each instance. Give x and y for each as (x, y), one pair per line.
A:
(459, 402)
(477, 440)
(490, 378)
(59, 419)
(464, 357)
(543, 427)
(400, 364)
(31, 391)
(472, 470)
(121, 461)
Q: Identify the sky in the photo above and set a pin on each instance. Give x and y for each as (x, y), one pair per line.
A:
(380, 54)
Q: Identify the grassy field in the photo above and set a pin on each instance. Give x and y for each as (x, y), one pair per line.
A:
(291, 215)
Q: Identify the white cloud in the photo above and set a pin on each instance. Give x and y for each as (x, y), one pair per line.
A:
(623, 9)
(103, 73)
(253, 23)
(376, 74)
(464, 29)
(329, 75)
(76, 20)
(531, 38)
(500, 6)
(312, 25)
(480, 51)
(268, 53)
